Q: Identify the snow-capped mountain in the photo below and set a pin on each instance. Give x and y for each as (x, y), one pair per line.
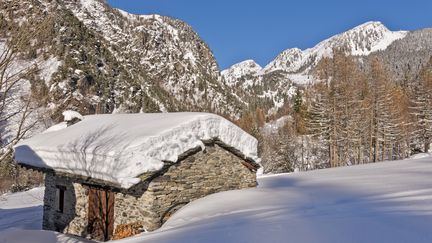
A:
(255, 89)
(248, 67)
(107, 60)
(362, 40)
(359, 41)
(293, 67)
(289, 60)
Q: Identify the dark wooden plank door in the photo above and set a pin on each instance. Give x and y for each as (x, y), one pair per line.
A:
(101, 214)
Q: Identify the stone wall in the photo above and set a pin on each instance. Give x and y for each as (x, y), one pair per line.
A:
(150, 203)
(73, 219)
(203, 173)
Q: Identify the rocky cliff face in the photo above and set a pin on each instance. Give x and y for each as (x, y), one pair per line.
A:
(96, 59)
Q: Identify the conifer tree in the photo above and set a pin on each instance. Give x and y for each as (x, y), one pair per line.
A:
(421, 107)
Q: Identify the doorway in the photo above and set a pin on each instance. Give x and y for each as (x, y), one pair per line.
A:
(101, 214)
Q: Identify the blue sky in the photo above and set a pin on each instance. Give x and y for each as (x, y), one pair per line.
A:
(237, 30)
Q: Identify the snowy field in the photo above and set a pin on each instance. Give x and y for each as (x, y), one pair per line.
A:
(22, 210)
(383, 202)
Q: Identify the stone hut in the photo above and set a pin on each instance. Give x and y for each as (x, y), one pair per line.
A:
(111, 176)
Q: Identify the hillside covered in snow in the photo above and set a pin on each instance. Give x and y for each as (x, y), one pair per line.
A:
(381, 202)
(96, 59)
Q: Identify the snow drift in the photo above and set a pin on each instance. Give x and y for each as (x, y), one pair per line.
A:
(382, 202)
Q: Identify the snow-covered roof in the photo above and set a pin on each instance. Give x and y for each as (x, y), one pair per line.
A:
(119, 147)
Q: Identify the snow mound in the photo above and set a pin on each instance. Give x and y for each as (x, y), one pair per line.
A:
(421, 156)
(56, 127)
(119, 147)
(70, 115)
(21, 210)
(30, 198)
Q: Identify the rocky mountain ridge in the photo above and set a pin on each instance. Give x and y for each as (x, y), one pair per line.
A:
(359, 41)
(96, 59)
(403, 52)
(362, 40)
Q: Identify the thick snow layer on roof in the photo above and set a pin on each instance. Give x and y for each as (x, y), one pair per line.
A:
(56, 127)
(119, 147)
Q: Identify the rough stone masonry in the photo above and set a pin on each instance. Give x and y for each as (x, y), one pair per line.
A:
(151, 202)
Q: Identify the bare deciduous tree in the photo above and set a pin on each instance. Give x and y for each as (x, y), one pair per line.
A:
(15, 107)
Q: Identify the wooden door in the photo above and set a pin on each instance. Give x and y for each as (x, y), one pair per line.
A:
(101, 214)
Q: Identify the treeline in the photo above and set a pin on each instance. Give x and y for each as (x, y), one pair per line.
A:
(358, 113)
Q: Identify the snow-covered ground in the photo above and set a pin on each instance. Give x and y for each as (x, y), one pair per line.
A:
(22, 210)
(382, 202)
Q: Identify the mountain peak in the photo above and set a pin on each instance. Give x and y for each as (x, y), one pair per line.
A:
(361, 40)
(289, 60)
(369, 29)
(371, 25)
(366, 38)
(242, 68)
(238, 70)
(251, 64)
